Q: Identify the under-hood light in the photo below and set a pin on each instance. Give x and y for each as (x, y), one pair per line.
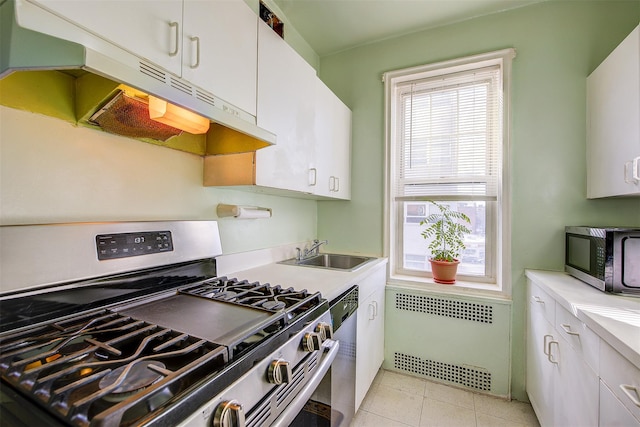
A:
(172, 115)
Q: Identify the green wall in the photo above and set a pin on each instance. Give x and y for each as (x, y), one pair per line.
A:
(52, 171)
(558, 44)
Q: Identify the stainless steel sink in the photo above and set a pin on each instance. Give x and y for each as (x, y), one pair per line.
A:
(331, 261)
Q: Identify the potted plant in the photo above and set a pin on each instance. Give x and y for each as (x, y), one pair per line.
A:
(447, 230)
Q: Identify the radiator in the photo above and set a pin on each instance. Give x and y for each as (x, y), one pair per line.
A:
(457, 340)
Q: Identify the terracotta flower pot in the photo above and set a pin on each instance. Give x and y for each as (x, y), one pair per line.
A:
(444, 271)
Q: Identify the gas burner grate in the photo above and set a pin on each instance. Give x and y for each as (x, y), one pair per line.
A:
(106, 368)
(254, 294)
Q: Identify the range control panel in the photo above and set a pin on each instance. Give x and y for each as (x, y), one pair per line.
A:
(125, 245)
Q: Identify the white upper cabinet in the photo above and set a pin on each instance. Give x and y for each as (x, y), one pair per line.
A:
(149, 29)
(312, 154)
(613, 122)
(220, 50)
(286, 107)
(213, 44)
(331, 172)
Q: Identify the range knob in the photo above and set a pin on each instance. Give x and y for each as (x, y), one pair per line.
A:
(325, 330)
(229, 414)
(311, 341)
(279, 372)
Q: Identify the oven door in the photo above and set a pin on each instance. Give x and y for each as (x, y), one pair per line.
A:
(333, 402)
(312, 405)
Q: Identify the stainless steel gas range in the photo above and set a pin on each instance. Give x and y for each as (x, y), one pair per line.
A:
(122, 324)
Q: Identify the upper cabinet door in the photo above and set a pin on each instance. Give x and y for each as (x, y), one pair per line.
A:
(613, 124)
(149, 29)
(286, 107)
(220, 51)
(333, 144)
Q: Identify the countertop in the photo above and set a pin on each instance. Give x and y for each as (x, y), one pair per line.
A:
(614, 318)
(330, 283)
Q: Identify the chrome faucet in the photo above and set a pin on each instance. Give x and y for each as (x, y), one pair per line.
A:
(314, 250)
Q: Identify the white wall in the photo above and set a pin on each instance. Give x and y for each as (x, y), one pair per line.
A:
(51, 172)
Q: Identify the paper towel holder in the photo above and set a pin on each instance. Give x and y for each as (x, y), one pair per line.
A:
(242, 211)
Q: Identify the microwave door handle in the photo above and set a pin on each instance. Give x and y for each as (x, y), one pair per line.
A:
(289, 414)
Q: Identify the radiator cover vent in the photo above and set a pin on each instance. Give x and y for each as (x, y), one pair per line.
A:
(461, 375)
(475, 312)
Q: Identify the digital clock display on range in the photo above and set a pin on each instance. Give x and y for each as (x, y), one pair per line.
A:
(123, 245)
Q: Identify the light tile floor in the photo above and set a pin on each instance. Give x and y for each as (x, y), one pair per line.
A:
(397, 400)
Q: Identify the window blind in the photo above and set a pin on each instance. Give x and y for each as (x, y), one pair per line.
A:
(450, 131)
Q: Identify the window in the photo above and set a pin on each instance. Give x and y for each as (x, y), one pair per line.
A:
(447, 135)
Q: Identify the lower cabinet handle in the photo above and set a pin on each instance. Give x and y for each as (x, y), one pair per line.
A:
(372, 311)
(545, 345)
(567, 329)
(632, 393)
(555, 362)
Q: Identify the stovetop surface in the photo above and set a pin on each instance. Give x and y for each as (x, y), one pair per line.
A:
(23, 310)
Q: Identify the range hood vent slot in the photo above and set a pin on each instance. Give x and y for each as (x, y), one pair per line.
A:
(182, 86)
(153, 72)
(205, 97)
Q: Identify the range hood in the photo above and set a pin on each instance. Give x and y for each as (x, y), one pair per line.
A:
(34, 41)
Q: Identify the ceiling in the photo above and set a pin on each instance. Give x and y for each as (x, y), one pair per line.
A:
(331, 26)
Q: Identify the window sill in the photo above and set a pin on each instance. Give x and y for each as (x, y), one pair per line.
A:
(464, 288)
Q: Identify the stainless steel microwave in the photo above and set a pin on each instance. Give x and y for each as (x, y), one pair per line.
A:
(606, 258)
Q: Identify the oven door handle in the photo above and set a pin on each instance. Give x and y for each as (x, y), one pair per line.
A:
(289, 414)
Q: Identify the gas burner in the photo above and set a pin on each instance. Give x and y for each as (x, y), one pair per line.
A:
(250, 294)
(274, 305)
(131, 378)
(105, 363)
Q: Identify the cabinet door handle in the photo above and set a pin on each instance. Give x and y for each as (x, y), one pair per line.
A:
(375, 308)
(332, 183)
(197, 41)
(632, 393)
(313, 176)
(176, 29)
(537, 299)
(337, 184)
(567, 329)
(634, 176)
(545, 345)
(372, 311)
(549, 356)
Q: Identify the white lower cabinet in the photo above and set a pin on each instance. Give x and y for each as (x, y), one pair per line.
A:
(612, 412)
(576, 388)
(622, 379)
(562, 387)
(370, 331)
(540, 369)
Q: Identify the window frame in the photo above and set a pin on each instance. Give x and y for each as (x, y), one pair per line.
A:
(394, 213)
